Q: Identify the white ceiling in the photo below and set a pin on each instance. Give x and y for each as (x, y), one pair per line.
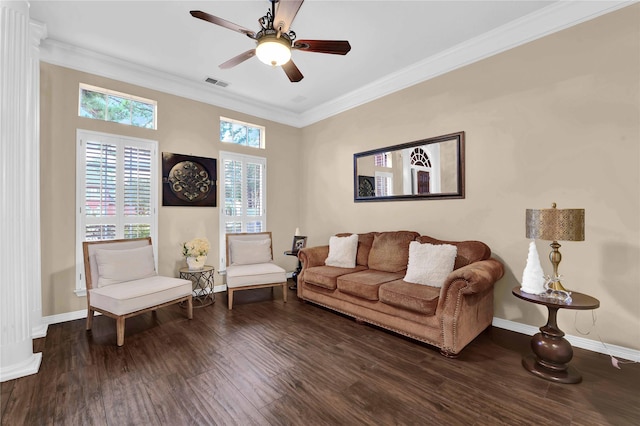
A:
(394, 44)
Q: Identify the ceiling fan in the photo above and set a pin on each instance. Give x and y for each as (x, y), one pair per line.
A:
(275, 40)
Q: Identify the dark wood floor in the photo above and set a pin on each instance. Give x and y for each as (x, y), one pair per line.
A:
(270, 363)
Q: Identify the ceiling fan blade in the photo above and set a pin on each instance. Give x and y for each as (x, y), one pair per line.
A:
(222, 22)
(335, 47)
(292, 71)
(285, 14)
(238, 59)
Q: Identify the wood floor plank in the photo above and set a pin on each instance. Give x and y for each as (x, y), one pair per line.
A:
(272, 363)
(223, 402)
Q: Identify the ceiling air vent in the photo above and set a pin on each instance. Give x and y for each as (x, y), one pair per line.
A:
(216, 82)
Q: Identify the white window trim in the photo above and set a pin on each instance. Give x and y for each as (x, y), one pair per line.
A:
(97, 89)
(225, 155)
(81, 135)
(263, 130)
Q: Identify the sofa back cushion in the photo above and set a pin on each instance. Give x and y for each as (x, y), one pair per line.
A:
(342, 251)
(468, 251)
(430, 264)
(365, 241)
(390, 251)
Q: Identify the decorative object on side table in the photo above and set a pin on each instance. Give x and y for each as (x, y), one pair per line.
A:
(299, 242)
(555, 225)
(196, 251)
(533, 275)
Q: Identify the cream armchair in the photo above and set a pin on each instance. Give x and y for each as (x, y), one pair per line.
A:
(122, 282)
(250, 264)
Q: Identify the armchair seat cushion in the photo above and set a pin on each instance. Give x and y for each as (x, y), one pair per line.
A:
(132, 296)
(413, 297)
(255, 274)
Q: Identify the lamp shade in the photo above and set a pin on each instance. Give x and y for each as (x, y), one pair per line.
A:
(555, 224)
(274, 51)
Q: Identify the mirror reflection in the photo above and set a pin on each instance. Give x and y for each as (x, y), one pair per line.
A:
(424, 169)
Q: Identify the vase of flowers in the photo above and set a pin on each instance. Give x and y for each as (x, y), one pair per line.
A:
(196, 251)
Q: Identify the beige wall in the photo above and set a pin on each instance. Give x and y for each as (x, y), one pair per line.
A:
(556, 120)
(184, 127)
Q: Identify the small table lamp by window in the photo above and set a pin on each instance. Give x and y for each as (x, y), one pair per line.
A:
(555, 225)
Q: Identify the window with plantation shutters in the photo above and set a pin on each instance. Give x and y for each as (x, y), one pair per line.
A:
(116, 194)
(243, 207)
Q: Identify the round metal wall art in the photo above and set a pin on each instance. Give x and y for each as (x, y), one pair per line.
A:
(190, 181)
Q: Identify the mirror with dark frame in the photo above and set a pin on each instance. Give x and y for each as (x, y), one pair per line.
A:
(426, 169)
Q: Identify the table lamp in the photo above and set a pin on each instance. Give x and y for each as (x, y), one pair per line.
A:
(555, 225)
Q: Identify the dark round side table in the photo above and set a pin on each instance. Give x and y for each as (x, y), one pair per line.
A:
(552, 352)
(202, 280)
(294, 276)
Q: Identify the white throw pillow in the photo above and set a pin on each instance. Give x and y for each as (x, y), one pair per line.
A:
(430, 264)
(117, 266)
(250, 252)
(342, 251)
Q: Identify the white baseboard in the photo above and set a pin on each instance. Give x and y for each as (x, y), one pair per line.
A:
(529, 330)
(26, 368)
(39, 331)
(578, 342)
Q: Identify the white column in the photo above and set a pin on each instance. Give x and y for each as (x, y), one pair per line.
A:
(38, 31)
(19, 193)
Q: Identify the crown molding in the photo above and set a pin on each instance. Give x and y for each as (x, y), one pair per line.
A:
(546, 21)
(556, 17)
(69, 56)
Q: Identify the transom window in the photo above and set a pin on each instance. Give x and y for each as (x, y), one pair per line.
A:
(240, 133)
(108, 105)
(420, 158)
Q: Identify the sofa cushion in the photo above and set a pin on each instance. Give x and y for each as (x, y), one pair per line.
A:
(390, 251)
(342, 251)
(132, 296)
(468, 251)
(413, 297)
(365, 283)
(326, 276)
(250, 251)
(430, 264)
(117, 266)
(254, 274)
(365, 241)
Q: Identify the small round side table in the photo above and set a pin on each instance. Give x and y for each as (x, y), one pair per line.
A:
(202, 280)
(552, 351)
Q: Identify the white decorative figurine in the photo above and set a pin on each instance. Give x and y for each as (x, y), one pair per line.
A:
(533, 275)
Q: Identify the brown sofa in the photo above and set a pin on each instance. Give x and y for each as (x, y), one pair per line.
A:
(374, 290)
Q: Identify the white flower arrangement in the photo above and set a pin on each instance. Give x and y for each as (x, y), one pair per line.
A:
(195, 248)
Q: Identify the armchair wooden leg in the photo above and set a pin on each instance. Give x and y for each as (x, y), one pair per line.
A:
(90, 318)
(120, 331)
(284, 292)
(190, 307)
(230, 298)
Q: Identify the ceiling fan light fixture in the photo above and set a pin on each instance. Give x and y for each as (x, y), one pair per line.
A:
(274, 51)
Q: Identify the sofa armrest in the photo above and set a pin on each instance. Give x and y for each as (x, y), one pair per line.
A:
(465, 306)
(313, 256)
(478, 276)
